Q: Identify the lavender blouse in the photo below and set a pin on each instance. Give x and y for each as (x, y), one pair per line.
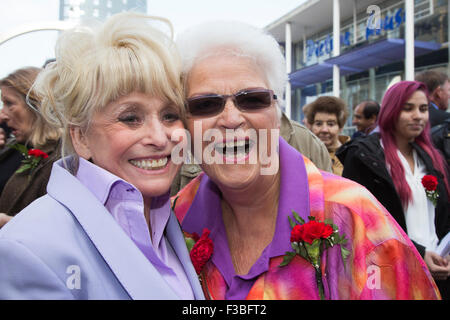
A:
(126, 205)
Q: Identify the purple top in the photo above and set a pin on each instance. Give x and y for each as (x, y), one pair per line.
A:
(126, 205)
(206, 212)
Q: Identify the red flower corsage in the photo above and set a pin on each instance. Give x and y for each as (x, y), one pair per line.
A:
(31, 159)
(200, 248)
(37, 153)
(430, 184)
(310, 239)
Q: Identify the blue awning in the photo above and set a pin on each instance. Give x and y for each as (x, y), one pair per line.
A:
(359, 59)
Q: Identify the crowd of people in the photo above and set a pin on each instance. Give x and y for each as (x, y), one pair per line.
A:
(95, 204)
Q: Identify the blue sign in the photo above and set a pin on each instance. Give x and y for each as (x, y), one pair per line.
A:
(325, 46)
(390, 22)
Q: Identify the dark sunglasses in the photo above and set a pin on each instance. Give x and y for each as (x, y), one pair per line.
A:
(244, 100)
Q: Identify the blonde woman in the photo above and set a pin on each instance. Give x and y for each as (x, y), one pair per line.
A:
(21, 110)
(105, 229)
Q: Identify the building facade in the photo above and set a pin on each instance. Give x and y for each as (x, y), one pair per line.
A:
(98, 9)
(371, 47)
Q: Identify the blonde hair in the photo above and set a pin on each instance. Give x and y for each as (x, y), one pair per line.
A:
(96, 65)
(22, 81)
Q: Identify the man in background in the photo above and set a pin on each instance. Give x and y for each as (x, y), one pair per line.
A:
(365, 117)
(439, 93)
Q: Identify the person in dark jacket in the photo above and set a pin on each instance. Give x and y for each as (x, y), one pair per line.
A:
(21, 112)
(392, 163)
(439, 93)
(441, 139)
(365, 117)
(9, 158)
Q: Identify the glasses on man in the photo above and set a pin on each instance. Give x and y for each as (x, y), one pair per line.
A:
(245, 100)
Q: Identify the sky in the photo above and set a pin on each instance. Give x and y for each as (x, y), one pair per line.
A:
(33, 49)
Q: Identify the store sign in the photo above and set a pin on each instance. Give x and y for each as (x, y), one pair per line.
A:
(325, 46)
(390, 22)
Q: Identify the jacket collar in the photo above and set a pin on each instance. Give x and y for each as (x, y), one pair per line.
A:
(143, 281)
(176, 239)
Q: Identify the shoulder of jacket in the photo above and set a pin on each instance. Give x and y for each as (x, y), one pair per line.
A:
(369, 143)
(302, 135)
(302, 130)
(31, 220)
(350, 194)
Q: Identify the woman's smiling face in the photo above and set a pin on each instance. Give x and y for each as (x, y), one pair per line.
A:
(131, 138)
(227, 75)
(326, 127)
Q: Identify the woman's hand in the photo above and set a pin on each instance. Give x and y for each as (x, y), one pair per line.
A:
(438, 266)
(4, 219)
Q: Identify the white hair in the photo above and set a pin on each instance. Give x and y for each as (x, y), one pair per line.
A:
(239, 39)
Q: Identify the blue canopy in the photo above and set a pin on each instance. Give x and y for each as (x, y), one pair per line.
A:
(359, 59)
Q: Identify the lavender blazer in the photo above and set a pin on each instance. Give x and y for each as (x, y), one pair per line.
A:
(66, 245)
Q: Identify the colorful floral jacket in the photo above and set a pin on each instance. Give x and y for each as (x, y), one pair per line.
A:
(383, 263)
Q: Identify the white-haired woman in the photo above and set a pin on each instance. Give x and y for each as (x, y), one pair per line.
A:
(234, 79)
(105, 229)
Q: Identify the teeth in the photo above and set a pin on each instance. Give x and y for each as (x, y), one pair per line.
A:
(231, 144)
(150, 164)
(236, 149)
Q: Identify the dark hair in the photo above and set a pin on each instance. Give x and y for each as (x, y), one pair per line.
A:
(370, 108)
(328, 104)
(432, 79)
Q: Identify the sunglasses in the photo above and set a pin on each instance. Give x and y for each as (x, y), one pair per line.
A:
(244, 100)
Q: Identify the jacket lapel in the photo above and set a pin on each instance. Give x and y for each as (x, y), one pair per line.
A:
(136, 274)
(176, 239)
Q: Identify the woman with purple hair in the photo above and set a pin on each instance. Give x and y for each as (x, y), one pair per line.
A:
(392, 165)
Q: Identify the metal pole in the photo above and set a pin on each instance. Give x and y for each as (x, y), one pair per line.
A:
(61, 9)
(304, 46)
(355, 26)
(372, 84)
(336, 46)
(409, 40)
(288, 54)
